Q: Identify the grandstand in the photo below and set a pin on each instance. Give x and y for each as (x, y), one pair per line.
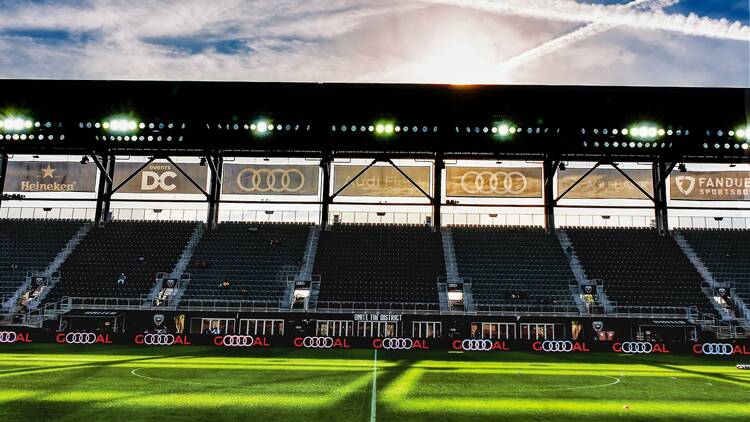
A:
(255, 259)
(509, 265)
(137, 250)
(501, 213)
(387, 264)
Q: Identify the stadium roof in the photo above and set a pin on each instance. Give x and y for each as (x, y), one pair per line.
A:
(575, 122)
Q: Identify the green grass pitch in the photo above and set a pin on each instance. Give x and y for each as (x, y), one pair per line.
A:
(67, 383)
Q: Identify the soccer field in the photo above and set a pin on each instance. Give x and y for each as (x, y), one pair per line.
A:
(47, 382)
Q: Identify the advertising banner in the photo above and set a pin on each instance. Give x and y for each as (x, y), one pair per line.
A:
(49, 176)
(160, 177)
(252, 179)
(604, 184)
(381, 181)
(711, 186)
(493, 182)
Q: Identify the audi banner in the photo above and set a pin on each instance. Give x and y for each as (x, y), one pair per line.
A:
(604, 184)
(493, 182)
(381, 181)
(49, 176)
(250, 179)
(9, 337)
(160, 177)
(711, 186)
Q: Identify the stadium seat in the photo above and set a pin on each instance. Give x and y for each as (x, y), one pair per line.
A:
(94, 266)
(726, 253)
(30, 245)
(254, 257)
(379, 264)
(639, 267)
(513, 265)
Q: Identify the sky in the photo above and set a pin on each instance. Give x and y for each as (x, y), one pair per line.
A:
(576, 42)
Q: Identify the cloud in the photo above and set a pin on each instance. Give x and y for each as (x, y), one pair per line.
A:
(571, 11)
(365, 41)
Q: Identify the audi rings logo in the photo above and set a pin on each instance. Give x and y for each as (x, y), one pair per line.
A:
(158, 339)
(8, 336)
(271, 180)
(721, 349)
(557, 346)
(634, 347)
(161, 339)
(393, 343)
(317, 342)
(237, 341)
(487, 182)
(82, 338)
(476, 345)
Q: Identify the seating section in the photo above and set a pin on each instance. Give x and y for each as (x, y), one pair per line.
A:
(137, 249)
(379, 263)
(639, 267)
(30, 245)
(253, 257)
(513, 265)
(726, 253)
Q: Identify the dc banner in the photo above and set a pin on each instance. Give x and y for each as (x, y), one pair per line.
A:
(160, 177)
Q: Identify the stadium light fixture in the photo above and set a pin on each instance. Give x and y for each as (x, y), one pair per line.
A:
(385, 128)
(644, 131)
(505, 129)
(743, 133)
(261, 127)
(15, 124)
(121, 124)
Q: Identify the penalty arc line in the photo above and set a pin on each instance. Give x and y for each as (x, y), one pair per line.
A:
(373, 399)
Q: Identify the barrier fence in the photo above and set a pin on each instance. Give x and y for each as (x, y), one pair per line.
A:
(717, 349)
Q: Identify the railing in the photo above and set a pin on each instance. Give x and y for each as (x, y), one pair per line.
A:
(373, 217)
(521, 309)
(493, 218)
(336, 306)
(675, 312)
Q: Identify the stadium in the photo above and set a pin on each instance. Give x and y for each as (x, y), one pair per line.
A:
(224, 251)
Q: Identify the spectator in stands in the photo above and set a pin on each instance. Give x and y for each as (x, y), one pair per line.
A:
(225, 284)
(122, 279)
(244, 291)
(141, 259)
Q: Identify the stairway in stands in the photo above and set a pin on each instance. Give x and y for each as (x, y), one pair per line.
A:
(255, 258)
(29, 245)
(639, 268)
(394, 264)
(137, 249)
(514, 266)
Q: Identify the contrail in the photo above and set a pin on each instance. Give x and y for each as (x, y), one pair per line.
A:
(578, 35)
(618, 15)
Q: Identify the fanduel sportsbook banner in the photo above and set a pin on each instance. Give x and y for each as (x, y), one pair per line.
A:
(604, 184)
(250, 179)
(711, 185)
(381, 181)
(160, 177)
(46, 176)
(507, 182)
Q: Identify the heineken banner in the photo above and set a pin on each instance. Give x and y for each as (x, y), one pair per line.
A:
(381, 180)
(604, 184)
(270, 180)
(711, 185)
(507, 182)
(46, 176)
(160, 177)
